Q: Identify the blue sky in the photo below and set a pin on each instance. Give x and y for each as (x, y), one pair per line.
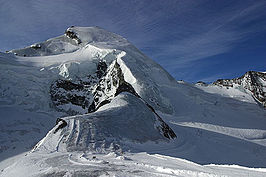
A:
(192, 39)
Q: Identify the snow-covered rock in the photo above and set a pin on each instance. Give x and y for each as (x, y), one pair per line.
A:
(250, 87)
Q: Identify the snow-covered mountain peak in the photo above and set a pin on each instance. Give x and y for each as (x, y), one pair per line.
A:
(109, 101)
(84, 71)
(75, 38)
(92, 47)
(95, 35)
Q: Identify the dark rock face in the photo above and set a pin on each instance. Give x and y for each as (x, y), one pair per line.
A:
(167, 131)
(126, 87)
(110, 86)
(78, 93)
(68, 85)
(201, 83)
(72, 35)
(101, 69)
(66, 92)
(36, 46)
(251, 81)
(163, 128)
(62, 123)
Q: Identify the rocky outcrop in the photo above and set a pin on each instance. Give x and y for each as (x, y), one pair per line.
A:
(110, 86)
(79, 93)
(201, 83)
(252, 81)
(36, 46)
(62, 123)
(69, 33)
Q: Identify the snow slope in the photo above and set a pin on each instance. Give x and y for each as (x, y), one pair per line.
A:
(113, 164)
(119, 113)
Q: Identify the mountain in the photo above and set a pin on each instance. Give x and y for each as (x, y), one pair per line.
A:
(110, 110)
(251, 84)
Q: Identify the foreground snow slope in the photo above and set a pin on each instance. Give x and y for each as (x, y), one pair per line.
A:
(113, 164)
(113, 104)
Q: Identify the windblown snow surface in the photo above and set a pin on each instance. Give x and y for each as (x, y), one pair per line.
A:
(88, 103)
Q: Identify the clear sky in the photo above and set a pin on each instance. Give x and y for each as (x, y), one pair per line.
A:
(192, 39)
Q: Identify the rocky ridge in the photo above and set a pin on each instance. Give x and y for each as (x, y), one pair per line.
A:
(252, 82)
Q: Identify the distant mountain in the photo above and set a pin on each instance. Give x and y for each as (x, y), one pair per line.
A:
(252, 83)
(89, 103)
